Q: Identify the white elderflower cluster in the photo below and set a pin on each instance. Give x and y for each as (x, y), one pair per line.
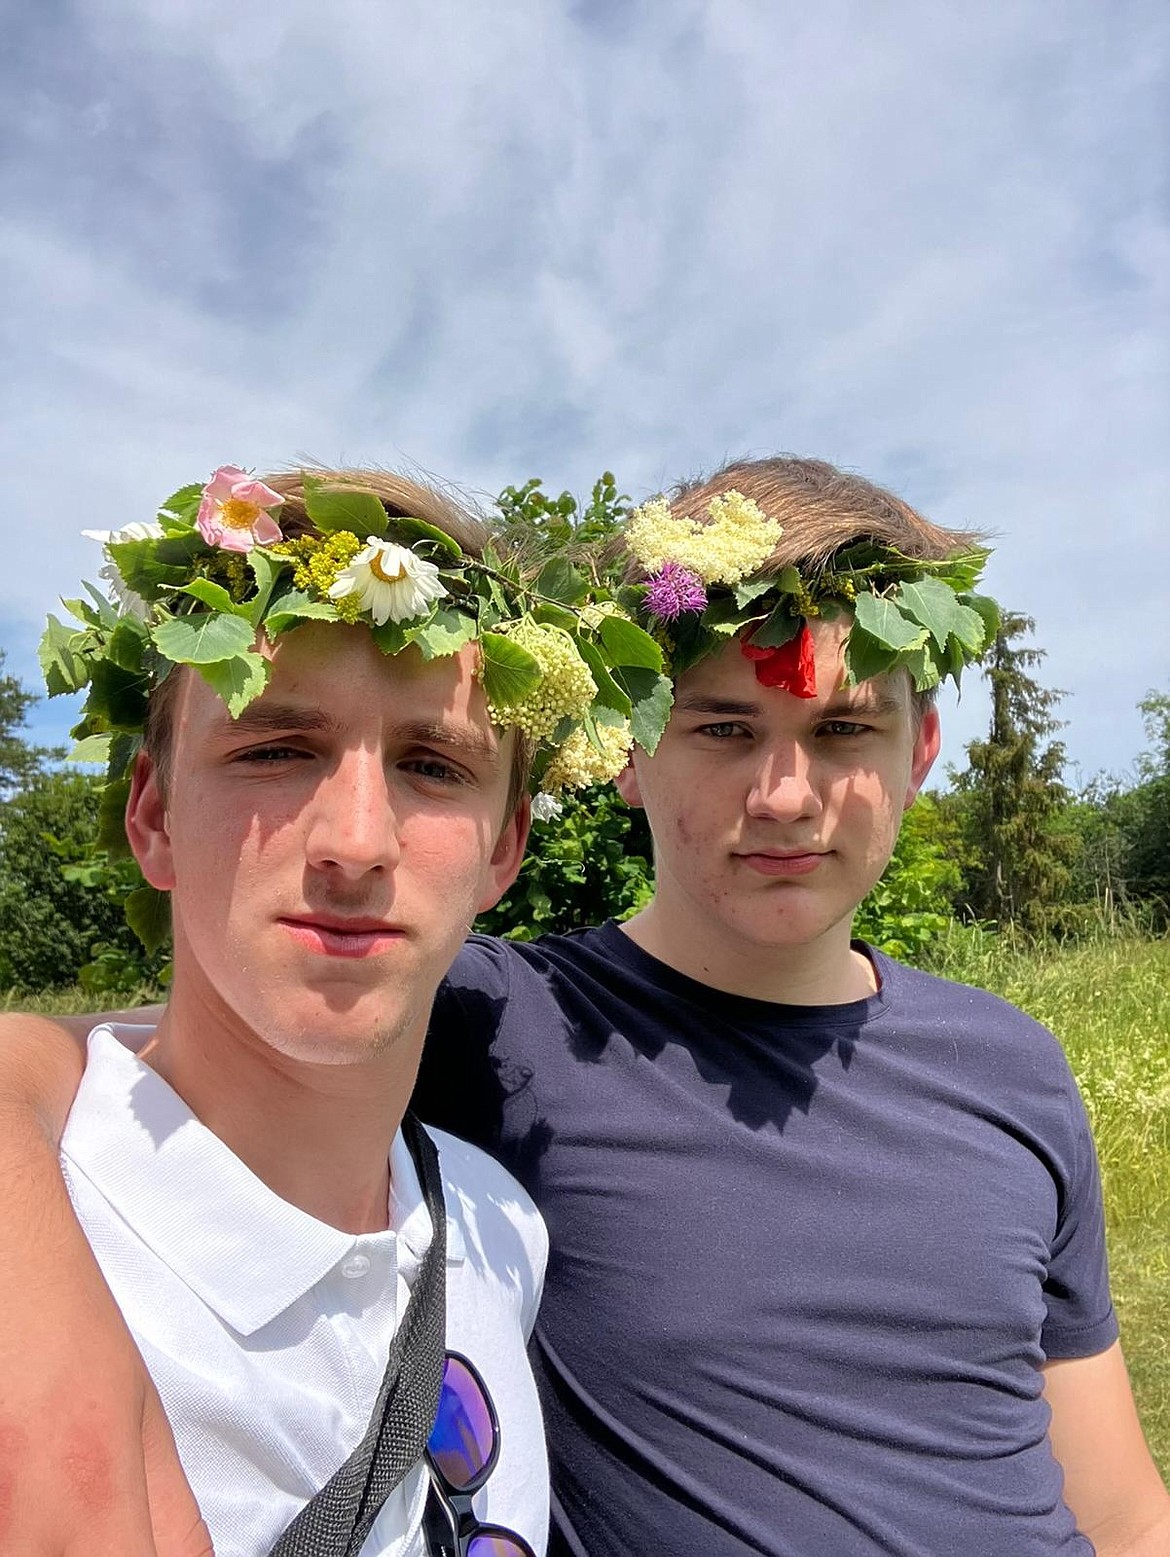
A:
(579, 763)
(565, 689)
(738, 539)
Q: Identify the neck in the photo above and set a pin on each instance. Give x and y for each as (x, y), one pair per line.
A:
(317, 1135)
(825, 971)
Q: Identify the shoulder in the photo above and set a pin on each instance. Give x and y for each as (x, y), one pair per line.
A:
(495, 1215)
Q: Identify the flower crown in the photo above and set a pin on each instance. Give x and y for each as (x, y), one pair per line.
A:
(705, 582)
(558, 658)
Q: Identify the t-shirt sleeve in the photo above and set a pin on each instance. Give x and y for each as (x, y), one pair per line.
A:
(457, 1087)
(1080, 1317)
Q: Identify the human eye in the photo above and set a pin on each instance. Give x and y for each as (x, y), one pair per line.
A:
(271, 752)
(842, 729)
(435, 769)
(723, 730)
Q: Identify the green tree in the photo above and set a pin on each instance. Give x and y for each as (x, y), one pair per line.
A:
(19, 760)
(60, 913)
(1143, 815)
(913, 903)
(1013, 802)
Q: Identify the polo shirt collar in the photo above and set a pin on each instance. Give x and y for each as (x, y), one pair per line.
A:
(245, 1252)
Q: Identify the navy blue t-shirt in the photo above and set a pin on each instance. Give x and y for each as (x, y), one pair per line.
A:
(805, 1260)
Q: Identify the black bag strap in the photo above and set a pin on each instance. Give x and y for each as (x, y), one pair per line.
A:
(336, 1521)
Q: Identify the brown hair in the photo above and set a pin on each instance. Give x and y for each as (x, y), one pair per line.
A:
(823, 509)
(401, 497)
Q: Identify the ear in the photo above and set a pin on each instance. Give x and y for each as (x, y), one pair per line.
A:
(147, 826)
(628, 787)
(926, 745)
(507, 856)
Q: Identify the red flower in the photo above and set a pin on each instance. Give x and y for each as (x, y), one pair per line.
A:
(792, 666)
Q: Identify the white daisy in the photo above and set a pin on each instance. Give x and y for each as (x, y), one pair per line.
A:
(391, 583)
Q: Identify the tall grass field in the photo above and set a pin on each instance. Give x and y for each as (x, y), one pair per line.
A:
(1109, 1003)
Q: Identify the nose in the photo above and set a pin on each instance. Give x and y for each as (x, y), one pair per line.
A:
(783, 786)
(353, 827)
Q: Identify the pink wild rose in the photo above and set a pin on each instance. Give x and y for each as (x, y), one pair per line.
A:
(234, 511)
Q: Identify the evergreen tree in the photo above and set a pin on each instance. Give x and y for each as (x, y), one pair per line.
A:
(19, 761)
(1012, 796)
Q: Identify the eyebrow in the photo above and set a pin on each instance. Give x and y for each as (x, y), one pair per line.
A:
(726, 707)
(875, 704)
(290, 718)
(871, 703)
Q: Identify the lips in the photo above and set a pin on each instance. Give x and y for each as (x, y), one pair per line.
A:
(333, 936)
(782, 863)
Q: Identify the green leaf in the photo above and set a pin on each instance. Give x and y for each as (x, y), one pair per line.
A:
(627, 644)
(182, 506)
(239, 681)
(608, 691)
(936, 606)
(64, 668)
(778, 628)
(266, 570)
(111, 828)
(215, 596)
(561, 581)
(882, 620)
(510, 673)
(127, 644)
(865, 656)
(751, 589)
(408, 529)
(988, 612)
(923, 667)
(94, 748)
(293, 606)
(152, 566)
(445, 633)
(651, 699)
(391, 637)
(148, 913)
(331, 509)
(556, 616)
(117, 696)
(203, 639)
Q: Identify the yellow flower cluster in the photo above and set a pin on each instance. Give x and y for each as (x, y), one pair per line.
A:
(579, 763)
(565, 688)
(319, 559)
(737, 540)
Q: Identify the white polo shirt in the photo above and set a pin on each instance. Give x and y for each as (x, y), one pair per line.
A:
(266, 1331)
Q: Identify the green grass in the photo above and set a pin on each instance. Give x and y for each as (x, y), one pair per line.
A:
(1109, 1003)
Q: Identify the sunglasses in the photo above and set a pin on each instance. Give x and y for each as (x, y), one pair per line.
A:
(461, 1454)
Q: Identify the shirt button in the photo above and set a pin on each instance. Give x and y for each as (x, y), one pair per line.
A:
(355, 1265)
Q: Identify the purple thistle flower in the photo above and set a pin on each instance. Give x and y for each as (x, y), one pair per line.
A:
(672, 590)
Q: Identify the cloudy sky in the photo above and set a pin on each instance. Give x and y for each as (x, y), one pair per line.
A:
(929, 242)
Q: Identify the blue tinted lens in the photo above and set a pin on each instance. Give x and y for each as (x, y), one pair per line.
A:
(463, 1436)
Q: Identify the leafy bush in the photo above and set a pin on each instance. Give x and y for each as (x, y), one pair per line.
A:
(61, 918)
(593, 863)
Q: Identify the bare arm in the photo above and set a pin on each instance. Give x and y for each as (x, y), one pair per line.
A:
(87, 1460)
(1110, 1480)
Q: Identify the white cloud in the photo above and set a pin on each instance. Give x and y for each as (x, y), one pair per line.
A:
(537, 238)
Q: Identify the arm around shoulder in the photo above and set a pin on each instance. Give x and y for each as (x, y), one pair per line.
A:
(1111, 1482)
(87, 1461)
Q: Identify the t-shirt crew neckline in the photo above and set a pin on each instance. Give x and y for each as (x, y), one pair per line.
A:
(850, 1013)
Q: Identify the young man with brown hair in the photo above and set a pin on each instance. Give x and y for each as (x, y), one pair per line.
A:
(828, 1269)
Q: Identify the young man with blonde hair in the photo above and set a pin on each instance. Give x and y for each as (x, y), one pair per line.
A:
(828, 1268)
